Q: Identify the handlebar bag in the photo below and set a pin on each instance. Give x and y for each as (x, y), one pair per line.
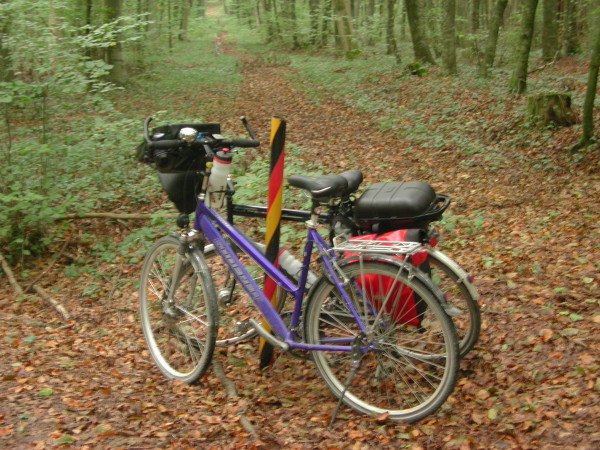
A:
(180, 158)
(182, 189)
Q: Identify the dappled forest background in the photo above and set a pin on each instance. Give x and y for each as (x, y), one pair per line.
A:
(490, 101)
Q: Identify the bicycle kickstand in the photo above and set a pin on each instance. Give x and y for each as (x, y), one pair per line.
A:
(356, 358)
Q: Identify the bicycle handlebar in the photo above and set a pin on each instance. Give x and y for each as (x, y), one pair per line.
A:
(172, 143)
(212, 142)
(164, 145)
(245, 143)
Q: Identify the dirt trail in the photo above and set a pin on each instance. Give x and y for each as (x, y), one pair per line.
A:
(531, 382)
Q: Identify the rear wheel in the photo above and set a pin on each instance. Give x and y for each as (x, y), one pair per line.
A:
(407, 357)
(461, 295)
(178, 313)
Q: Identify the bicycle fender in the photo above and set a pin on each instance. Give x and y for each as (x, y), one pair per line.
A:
(462, 276)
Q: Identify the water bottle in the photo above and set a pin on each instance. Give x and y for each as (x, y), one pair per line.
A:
(293, 267)
(217, 183)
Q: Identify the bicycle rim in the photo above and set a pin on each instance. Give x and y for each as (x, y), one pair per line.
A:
(409, 355)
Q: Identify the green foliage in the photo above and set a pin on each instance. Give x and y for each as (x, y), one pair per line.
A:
(416, 68)
(63, 143)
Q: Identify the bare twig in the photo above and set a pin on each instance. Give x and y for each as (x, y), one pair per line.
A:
(11, 278)
(105, 215)
(542, 67)
(231, 392)
(57, 305)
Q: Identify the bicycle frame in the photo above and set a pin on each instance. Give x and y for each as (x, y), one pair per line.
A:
(210, 222)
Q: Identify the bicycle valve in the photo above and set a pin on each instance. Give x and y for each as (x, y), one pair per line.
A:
(188, 134)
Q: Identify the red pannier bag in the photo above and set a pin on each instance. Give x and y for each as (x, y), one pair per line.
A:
(400, 304)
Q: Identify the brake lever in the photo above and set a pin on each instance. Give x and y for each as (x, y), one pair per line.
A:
(248, 128)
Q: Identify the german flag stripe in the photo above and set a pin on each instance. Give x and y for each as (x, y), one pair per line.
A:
(274, 204)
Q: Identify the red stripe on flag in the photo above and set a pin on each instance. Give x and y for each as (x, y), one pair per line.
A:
(275, 181)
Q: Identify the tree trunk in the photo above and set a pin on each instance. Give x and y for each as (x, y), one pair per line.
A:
(420, 47)
(202, 8)
(114, 54)
(152, 17)
(294, 25)
(6, 67)
(327, 21)
(170, 24)
(449, 36)
(475, 16)
(347, 43)
(315, 16)
(571, 43)
(518, 80)
(550, 30)
(392, 46)
(186, 7)
(492, 39)
(551, 109)
(590, 96)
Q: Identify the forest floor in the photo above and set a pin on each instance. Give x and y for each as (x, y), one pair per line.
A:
(528, 231)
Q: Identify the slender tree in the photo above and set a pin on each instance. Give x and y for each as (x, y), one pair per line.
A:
(114, 53)
(293, 23)
(590, 96)
(326, 24)
(570, 40)
(518, 80)
(492, 38)
(6, 66)
(475, 16)
(392, 46)
(315, 18)
(449, 37)
(186, 7)
(420, 47)
(202, 8)
(343, 24)
(550, 30)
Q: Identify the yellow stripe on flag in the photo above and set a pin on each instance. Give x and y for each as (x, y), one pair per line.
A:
(273, 216)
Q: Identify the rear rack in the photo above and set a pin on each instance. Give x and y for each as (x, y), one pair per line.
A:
(383, 247)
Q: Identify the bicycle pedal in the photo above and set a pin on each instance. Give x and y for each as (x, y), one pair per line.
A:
(242, 327)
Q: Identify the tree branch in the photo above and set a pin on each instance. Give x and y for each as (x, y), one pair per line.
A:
(105, 215)
(57, 305)
(231, 392)
(11, 278)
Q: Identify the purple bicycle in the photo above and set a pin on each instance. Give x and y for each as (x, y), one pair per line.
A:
(372, 322)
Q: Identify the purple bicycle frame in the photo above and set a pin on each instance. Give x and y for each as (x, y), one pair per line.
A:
(206, 219)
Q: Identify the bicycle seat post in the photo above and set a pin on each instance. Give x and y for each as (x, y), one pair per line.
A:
(315, 212)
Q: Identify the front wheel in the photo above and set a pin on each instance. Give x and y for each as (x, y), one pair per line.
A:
(178, 312)
(408, 357)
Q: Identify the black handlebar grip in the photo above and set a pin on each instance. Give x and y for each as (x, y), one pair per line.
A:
(240, 142)
(166, 144)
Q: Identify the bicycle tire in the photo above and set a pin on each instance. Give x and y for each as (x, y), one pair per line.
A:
(460, 293)
(180, 336)
(400, 354)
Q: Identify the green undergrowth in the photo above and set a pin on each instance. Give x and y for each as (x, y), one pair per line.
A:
(74, 152)
(180, 82)
(466, 114)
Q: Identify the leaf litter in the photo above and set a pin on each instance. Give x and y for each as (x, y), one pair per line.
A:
(529, 234)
